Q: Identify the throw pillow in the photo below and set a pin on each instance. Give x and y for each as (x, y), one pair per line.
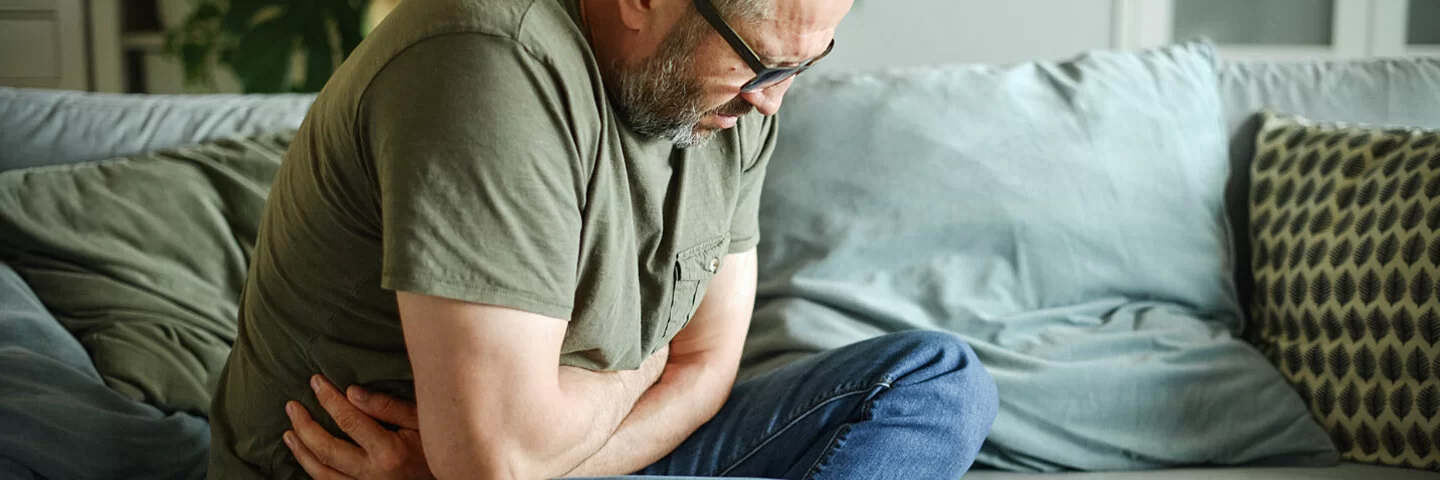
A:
(1346, 227)
(142, 258)
(1065, 219)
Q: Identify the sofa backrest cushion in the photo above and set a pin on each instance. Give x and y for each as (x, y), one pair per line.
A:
(1065, 219)
(51, 127)
(1393, 91)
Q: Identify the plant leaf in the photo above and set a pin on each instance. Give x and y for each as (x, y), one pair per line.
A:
(262, 58)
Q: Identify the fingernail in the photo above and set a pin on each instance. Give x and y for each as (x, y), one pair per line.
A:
(359, 394)
(290, 409)
(315, 383)
(288, 441)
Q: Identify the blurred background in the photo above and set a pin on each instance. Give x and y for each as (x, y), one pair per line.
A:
(206, 46)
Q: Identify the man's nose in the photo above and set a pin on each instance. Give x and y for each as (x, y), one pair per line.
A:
(767, 100)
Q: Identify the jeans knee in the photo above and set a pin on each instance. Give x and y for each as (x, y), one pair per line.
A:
(928, 354)
(952, 376)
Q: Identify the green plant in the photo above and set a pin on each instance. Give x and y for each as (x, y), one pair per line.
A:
(262, 40)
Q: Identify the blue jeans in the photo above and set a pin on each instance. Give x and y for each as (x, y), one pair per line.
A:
(906, 405)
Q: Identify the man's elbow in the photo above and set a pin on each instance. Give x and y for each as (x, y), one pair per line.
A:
(518, 455)
(469, 460)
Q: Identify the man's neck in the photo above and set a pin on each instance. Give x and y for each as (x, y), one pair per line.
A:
(601, 21)
(585, 18)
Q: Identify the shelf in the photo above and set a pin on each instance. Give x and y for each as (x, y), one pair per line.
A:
(154, 41)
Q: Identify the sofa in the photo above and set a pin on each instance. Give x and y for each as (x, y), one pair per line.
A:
(1096, 211)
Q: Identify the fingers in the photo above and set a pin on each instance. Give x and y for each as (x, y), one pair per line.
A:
(328, 450)
(384, 407)
(312, 464)
(361, 428)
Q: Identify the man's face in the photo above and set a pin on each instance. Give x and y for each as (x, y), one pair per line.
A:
(690, 87)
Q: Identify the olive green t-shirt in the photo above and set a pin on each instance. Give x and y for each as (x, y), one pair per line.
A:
(467, 150)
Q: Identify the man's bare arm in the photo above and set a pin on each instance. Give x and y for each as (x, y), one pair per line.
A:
(704, 358)
(493, 400)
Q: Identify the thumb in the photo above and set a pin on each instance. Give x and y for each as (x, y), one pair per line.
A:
(384, 407)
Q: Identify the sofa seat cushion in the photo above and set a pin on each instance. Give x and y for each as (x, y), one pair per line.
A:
(1344, 471)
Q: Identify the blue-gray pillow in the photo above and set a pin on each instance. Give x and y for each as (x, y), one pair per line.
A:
(1064, 218)
(54, 127)
(60, 419)
(25, 323)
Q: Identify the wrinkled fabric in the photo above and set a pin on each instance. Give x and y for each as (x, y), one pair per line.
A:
(1344, 471)
(61, 421)
(143, 258)
(1066, 220)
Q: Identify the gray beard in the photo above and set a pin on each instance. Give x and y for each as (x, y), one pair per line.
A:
(660, 97)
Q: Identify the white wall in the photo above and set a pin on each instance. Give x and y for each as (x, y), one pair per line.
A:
(890, 33)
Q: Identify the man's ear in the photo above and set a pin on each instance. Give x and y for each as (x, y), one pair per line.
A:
(645, 16)
(637, 15)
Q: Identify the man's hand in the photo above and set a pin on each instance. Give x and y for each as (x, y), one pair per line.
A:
(381, 453)
(673, 392)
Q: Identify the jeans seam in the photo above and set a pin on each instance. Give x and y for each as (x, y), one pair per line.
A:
(829, 451)
(765, 439)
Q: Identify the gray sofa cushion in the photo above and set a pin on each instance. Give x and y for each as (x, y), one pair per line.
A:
(59, 418)
(48, 127)
(24, 321)
(1344, 471)
(1382, 92)
(1063, 218)
(1386, 91)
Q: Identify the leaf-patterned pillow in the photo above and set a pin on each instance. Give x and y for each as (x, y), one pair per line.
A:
(1345, 222)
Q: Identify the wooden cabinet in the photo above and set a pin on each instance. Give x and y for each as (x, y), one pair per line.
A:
(99, 45)
(42, 44)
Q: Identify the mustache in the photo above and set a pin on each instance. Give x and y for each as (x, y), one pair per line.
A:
(735, 108)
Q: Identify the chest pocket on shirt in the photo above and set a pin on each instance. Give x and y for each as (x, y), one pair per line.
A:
(694, 268)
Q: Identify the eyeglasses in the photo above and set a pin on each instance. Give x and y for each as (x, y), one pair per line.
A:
(765, 76)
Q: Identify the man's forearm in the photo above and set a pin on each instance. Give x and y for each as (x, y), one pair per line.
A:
(690, 392)
(610, 397)
(705, 356)
(550, 435)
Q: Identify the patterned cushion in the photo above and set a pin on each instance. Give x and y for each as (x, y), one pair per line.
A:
(1346, 225)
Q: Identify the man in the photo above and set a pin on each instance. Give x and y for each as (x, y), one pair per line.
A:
(537, 220)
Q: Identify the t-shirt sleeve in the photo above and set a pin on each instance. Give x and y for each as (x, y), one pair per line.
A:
(478, 174)
(745, 223)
